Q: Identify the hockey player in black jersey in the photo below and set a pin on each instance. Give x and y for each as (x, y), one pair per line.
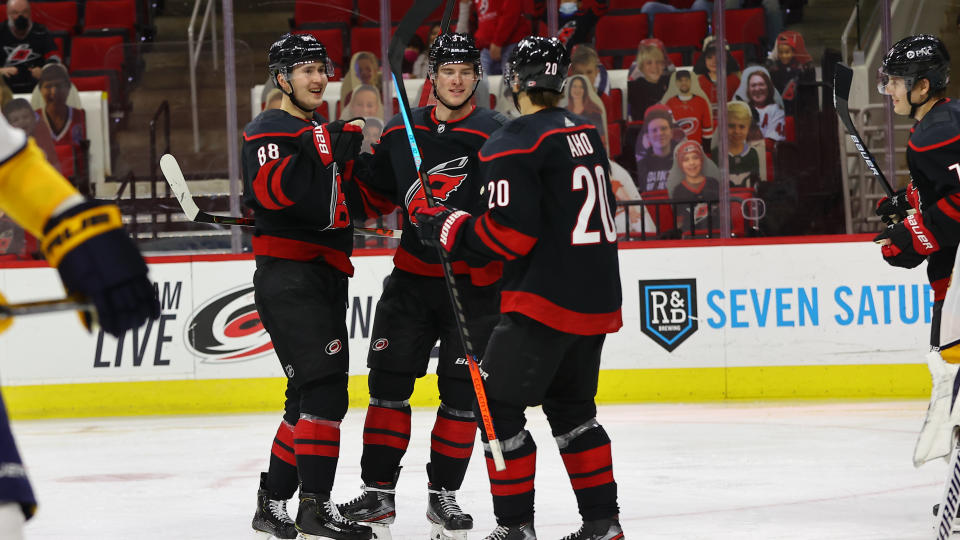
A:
(294, 167)
(550, 219)
(414, 310)
(915, 73)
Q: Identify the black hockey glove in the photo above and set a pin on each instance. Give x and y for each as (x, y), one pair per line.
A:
(907, 244)
(90, 248)
(440, 226)
(894, 209)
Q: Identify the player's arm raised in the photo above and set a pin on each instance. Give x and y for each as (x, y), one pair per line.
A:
(83, 239)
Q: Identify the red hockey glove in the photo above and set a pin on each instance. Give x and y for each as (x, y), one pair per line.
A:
(337, 142)
(907, 243)
(440, 226)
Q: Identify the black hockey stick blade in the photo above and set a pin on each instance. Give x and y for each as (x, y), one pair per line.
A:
(842, 80)
(447, 14)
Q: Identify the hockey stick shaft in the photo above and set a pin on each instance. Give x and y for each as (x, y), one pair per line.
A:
(70, 303)
(842, 80)
(420, 10)
(447, 15)
(178, 185)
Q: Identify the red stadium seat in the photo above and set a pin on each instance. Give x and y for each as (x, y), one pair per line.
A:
(683, 30)
(745, 25)
(619, 35)
(789, 128)
(102, 15)
(677, 58)
(56, 16)
(324, 110)
(62, 41)
(620, 5)
(614, 141)
(614, 104)
(97, 53)
(333, 39)
(608, 61)
(92, 82)
(365, 38)
(662, 214)
(740, 55)
(306, 12)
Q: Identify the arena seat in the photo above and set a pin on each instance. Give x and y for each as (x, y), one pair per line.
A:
(100, 15)
(745, 26)
(56, 16)
(97, 54)
(618, 36)
(306, 12)
(365, 38)
(681, 31)
(661, 213)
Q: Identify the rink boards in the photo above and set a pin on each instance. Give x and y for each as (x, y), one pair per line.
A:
(822, 317)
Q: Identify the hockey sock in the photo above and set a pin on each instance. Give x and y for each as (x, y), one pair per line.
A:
(316, 443)
(451, 444)
(512, 488)
(386, 434)
(586, 455)
(282, 475)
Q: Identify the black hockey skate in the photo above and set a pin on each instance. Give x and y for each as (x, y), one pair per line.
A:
(319, 518)
(600, 529)
(271, 516)
(374, 507)
(513, 532)
(448, 521)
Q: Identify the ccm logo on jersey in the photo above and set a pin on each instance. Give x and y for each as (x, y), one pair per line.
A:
(579, 144)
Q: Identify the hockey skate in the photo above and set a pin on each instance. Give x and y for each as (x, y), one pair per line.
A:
(271, 516)
(513, 532)
(448, 521)
(600, 529)
(374, 507)
(318, 518)
(936, 435)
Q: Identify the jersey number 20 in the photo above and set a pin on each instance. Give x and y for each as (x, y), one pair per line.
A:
(596, 186)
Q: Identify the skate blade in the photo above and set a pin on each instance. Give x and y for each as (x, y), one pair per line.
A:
(437, 532)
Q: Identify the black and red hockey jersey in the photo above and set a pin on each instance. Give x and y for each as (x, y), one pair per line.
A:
(449, 154)
(296, 191)
(36, 49)
(550, 218)
(933, 155)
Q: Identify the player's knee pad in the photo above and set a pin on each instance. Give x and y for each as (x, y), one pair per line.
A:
(565, 416)
(325, 398)
(589, 434)
(456, 393)
(389, 386)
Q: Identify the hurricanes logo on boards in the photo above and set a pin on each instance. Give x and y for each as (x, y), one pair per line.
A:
(668, 310)
(227, 328)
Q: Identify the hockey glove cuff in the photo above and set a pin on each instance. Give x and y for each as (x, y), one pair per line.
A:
(441, 226)
(910, 241)
(95, 258)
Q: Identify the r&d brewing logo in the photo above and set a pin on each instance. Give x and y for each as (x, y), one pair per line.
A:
(227, 328)
(668, 310)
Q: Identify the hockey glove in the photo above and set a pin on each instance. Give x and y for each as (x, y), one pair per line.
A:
(88, 245)
(338, 142)
(894, 209)
(907, 243)
(441, 226)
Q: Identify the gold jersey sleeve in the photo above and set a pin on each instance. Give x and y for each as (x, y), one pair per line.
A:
(31, 189)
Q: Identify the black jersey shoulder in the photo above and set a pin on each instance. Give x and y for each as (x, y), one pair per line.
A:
(277, 123)
(526, 133)
(418, 117)
(938, 128)
(481, 121)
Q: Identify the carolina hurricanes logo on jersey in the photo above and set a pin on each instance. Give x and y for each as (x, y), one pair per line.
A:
(19, 54)
(445, 178)
(689, 125)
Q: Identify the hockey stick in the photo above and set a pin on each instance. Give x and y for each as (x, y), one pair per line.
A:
(842, 79)
(178, 185)
(420, 10)
(950, 504)
(70, 303)
(447, 14)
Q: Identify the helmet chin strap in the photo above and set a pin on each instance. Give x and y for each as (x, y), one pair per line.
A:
(293, 99)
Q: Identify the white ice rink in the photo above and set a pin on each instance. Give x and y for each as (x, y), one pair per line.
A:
(803, 470)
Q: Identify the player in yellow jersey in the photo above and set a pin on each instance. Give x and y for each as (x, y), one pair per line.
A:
(87, 244)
